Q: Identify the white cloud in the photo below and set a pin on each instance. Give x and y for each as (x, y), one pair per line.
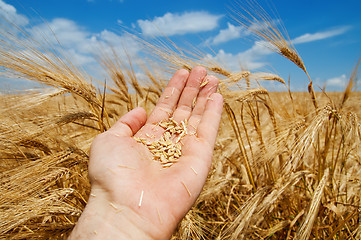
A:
(78, 44)
(249, 59)
(122, 44)
(174, 23)
(225, 35)
(81, 44)
(66, 31)
(253, 57)
(9, 12)
(310, 37)
(338, 82)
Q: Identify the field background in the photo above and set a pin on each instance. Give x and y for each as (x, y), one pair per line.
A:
(286, 164)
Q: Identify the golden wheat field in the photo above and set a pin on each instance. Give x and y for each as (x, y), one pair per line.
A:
(286, 165)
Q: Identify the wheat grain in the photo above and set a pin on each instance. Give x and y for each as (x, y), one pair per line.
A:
(194, 170)
(113, 206)
(128, 167)
(141, 199)
(194, 102)
(204, 83)
(167, 149)
(185, 186)
(159, 217)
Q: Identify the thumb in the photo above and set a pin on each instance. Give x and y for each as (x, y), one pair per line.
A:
(130, 123)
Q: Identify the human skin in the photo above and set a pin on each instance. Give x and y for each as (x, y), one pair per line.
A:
(133, 196)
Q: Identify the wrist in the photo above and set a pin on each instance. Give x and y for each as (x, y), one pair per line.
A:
(102, 219)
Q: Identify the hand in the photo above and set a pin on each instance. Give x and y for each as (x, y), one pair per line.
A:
(134, 197)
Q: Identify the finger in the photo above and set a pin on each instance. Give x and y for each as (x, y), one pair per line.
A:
(130, 123)
(209, 124)
(195, 163)
(169, 98)
(190, 92)
(203, 97)
(200, 144)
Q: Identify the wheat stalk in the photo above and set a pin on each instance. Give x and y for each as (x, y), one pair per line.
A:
(260, 24)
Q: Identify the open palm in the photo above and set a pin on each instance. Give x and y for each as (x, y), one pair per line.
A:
(123, 174)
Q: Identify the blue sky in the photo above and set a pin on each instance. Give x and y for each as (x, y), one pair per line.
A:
(327, 34)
